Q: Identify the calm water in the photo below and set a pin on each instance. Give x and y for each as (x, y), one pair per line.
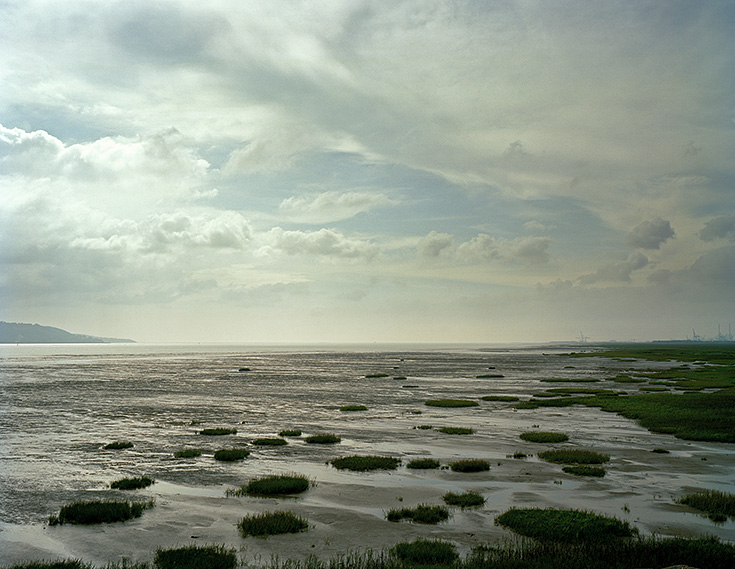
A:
(60, 404)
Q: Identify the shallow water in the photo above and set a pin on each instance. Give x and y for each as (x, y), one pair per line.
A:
(60, 404)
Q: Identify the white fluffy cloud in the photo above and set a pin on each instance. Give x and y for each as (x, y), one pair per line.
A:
(328, 207)
(322, 243)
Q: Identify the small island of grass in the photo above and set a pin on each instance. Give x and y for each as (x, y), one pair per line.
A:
(544, 437)
(349, 408)
(422, 514)
(323, 439)
(188, 453)
(118, 445)
(366, 463)
(274, 485)
(456, 430)
(265, 442)
(231, 454)
(423, 464)
(584, 470)
(132, 483)
(569, 526)
(468, 499)
(719, 506)
(425, 553)
(99, 512)
(218, 432)
(271, 523)
(451, 403)
(573, 456)
(194, 557)
(470, 465)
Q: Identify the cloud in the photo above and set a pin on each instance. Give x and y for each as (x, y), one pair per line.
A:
(616, 272)
(485, 248)
(435, 244)
(332, 206)
(719, 227)
(650, 234)
(321, 243)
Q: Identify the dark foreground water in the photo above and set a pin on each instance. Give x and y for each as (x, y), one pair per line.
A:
(60, 404)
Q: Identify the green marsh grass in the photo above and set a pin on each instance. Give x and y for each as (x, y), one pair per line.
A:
(489, 376)
(503, 398)
(585, 470)
(275, 485)
(451, 403)
(716, 504)
(421, 514)
(573, 456)
(99, 512)
(544, 437)
(271, 523)
(423, 464)
(118, 445)
(266, 442)
(218, 431)
(376, 375)
(366, 463)
(132, 483)
(424, 552)
(469, 499)
(424, 427)
(231, 454)
(188, 453)
(661, 451)
(290, 433)
(470, 465)
(196, 557)
(570, 380)
(323, 439)
(350, 408)
(456, 430)
(571, 526)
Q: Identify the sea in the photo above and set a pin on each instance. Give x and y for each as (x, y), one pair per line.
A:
(61, 404)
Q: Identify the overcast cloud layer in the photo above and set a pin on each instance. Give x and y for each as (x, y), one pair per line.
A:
(368, 170)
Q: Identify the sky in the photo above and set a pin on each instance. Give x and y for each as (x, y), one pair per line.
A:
(368, 170)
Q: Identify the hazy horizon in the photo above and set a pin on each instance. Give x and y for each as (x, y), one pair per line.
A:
(368, 171)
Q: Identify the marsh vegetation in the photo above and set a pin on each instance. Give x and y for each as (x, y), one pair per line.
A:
(218, 431)
(365, 463)
(451, 403)
(544, 437)
(470, 465)
(467, 499)
(99, 512)
(421, 514)
(196, 557)
(231, 454)
(323, 439)
(132, 483)
(274, 485)
(571, 526)
(271, 523)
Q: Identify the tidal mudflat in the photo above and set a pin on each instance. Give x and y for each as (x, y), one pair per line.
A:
(60, 406)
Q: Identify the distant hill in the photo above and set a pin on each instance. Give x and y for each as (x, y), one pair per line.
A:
(17, 333)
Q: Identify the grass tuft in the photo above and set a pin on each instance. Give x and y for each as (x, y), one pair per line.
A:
(451, 403)
(456, 430)
(470, 465)
(571, 526)
(573, 456)
(424, 552)
(132, 483)
(118, 445)
(99, 512)
(505, 398)
(424, 463)
(275, 485)
(323, 439)
(584, 470)
(269, 442)
(290, 433)
(422, 514)
(196, 557)
(544, 437)
(347, 408)
(218, 431)
(718, 505)
(231, 454)
(188, 453)
(365, 463)
(465, 500)
(271, 523)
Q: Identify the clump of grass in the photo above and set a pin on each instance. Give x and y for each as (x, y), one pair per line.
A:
(323, 439)
(570, 380)
(456, 430)
(573, 456)
(571, 526)
(375, 375)
(218, 431)
(188, 453)
(544, 437)
(271, 523)
(518, 455)
(400, 377)
(718, 505)
(347, 408)
(465, 500)
(584, 470)
(424, 552)
(231, 454)
(290, 433)
(661, 451)
(132, 483)
(365, 463)
(118, 445)
(422, 514)
(274, 485)
(470, 465)
(196, 557)
(424, 463)
(99, 512)
(424, 427)
(490, 375)
(451, 403)
(504, 398)
(269, 442)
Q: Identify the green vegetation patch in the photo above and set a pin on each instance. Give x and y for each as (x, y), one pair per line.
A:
(470, 465)
(118, 445)
(132, 483)
(323, 439)
(424, 463)
(544, 437)
(451, 403)
(570, 526)
(424, 552)
(290, 433)
(490, 376)
(196, 557)
(584, 470)
(570, 380)
(188, 453)
(456, 430)
(503, 398)
(365, 463)
(573, 456)
(424, 427)
(218, 431)
(349, 408)
(272, 523)
(99, 512)
(375, 375)
(422, 514)
(231, 454)
(269, 442)
(718, 505)
(275, 485)
(468, 499)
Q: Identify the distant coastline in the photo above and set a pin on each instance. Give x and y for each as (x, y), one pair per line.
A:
(21, 333)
